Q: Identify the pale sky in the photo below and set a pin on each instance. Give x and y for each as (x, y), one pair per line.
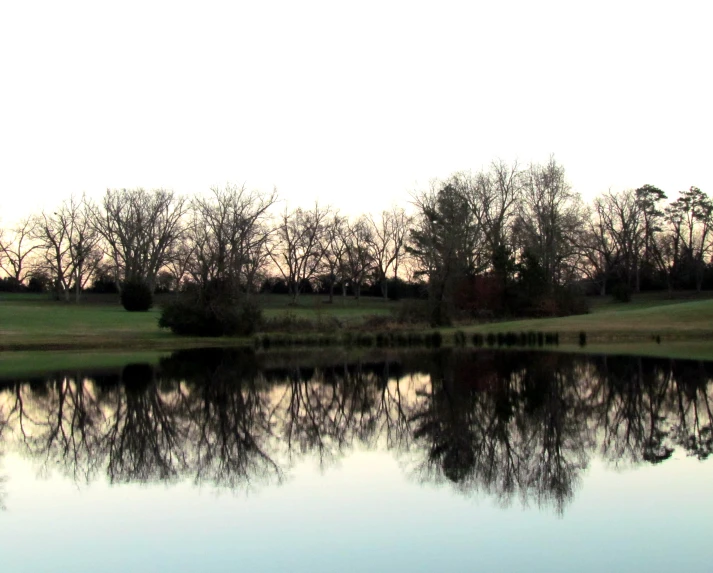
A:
(355, 104)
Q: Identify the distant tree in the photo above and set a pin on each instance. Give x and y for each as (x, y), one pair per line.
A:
(493, 196)
(691, 220)
(358, 262)
(228, 239)
(445, 244)
(599, 254)
(298, 245)
(549, 217)
(141, 229)
(387, 242)
(69, 244)
(16, 250)
(333, 259)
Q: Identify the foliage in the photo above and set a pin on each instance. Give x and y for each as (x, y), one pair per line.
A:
(136, 296)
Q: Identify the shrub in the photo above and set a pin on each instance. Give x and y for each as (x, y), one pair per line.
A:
(621, 293)
(189, 317)
(136, 296)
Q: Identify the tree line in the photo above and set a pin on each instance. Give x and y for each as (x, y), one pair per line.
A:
(508, 238)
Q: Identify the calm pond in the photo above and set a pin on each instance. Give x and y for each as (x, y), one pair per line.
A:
(449, 460)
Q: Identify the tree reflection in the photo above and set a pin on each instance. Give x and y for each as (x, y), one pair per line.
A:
(508, 424)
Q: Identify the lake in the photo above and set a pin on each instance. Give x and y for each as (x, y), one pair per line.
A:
(441, 460)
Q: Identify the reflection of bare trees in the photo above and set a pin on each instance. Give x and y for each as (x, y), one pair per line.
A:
(506, 424)
(514, 426)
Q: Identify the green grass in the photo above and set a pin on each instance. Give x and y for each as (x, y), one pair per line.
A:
(13, 364)
(32, 322)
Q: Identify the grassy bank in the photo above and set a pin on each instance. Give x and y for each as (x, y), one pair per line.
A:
(32, 322)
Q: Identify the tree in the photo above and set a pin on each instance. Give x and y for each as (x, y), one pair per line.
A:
(69, 243)
(493, 196)
(299, 245)
(141, 229)
(444, 243)
(16, 250)
(387, 240)
(620, 214)
(228, 239)
(333, 247)
(648, 198)
(691, 219)
(357, 239)
(598, 251)
(549, 216)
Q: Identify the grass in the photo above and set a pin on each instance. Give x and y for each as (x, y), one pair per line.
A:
(680, 321)
(32, 322)
(13, 364)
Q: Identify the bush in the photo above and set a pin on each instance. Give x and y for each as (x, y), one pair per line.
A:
(621, 293)
(136, 296)
(187, 316)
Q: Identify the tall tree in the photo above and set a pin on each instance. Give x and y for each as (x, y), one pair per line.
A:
(549, 216)
(357, 238)
(445, 243)
(299, 245)
(229, 239)
(691, 219)
(494, 195)
(140, 228)
(16, 250)
(387, 240)
(69, 243)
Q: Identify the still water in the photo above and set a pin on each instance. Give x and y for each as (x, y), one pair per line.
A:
(454, 460)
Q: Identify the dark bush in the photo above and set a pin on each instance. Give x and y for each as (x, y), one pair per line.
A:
(136, 296)
(39, 283)
(190, 317)
(621, 293)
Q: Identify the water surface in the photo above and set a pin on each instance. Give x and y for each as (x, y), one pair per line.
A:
(453, 460)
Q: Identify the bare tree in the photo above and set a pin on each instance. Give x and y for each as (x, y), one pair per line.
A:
(598, 250)
(357, 239)
(387, 241)
(299, 245)
(621, 215)
(140, 228)
(493, 196)
(229, 239)
(69, 243)
(549, 215)
(15, 251)
(333, 248)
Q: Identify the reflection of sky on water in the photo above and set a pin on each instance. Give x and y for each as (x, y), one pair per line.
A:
(362, 514)
(470, 462)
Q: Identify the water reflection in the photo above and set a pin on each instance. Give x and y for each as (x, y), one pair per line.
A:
(507, 424)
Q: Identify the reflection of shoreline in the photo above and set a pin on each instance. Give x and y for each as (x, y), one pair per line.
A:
(509, 425)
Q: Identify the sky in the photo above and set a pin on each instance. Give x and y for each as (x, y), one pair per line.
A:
(352, 104)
